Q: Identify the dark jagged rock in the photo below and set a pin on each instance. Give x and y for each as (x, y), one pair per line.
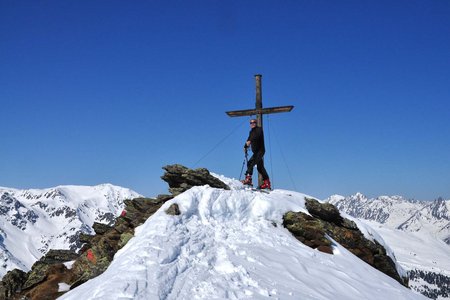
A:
(139, 209)
(85, 238)
(37, 275)
(16, 281)
(325, 221)
(181, 179)
(173, 210)
(48, 288)
(308, 230)
(58, 256)
(325, 211)
(39, 271)
(100, 228)
(164, 197)
(12, 283)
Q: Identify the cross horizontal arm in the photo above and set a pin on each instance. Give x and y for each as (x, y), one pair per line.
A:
(263, 111)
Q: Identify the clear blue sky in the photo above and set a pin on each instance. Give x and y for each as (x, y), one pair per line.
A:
(110, 91)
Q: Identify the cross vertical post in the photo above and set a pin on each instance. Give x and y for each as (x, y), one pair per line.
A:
(259, 111)
(258, 104)
(259, 119)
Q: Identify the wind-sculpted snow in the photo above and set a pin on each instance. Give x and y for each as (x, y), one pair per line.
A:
(230, 244)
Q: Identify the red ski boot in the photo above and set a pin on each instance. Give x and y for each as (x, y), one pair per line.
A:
(247, 180)
(266, 185)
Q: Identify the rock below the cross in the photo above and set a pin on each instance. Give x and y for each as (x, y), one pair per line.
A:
(181, 179)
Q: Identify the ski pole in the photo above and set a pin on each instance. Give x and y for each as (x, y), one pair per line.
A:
(242, 169)
(243, 164)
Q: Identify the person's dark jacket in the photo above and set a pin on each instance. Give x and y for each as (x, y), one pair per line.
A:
(256, 138)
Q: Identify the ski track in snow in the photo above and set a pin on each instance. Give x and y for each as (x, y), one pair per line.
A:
(231, 245)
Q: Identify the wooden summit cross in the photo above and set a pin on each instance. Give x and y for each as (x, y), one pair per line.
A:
(259, 111)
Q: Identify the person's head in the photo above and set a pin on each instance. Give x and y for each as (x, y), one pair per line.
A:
(253, 123)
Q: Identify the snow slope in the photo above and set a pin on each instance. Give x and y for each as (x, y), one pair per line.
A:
(231, 245)
(37, 220)
(414, 249)
(418, 231)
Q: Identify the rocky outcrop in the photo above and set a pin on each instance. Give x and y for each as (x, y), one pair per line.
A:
(11, 283)
(43, 267)
(98, 250)
(180, 179)
(100, 228)
(325, 222)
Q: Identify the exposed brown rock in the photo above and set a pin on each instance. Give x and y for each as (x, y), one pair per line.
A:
(173, 210)
(325, 211)
(12, 283)
(326, 222)
(100, 228)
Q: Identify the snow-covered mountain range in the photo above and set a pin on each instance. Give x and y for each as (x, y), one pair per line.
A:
(418, 232)
(37, 220)
(430, 217)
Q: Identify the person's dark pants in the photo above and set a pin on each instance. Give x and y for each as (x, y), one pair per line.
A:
(257, 159)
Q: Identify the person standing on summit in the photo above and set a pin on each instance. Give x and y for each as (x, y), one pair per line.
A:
(255, 140)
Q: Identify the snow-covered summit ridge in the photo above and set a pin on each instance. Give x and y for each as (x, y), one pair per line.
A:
(229, 244)
(35, 220)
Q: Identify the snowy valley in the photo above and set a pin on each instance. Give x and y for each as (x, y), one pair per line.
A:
(418, 231)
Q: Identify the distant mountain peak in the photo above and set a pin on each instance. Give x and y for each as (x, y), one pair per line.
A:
(359, 196)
